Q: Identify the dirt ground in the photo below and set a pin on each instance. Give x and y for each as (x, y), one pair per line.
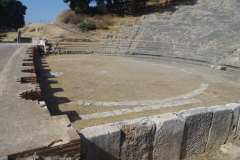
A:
(116, 79)
(217, 154)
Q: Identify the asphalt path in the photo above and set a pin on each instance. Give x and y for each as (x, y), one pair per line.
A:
(6, 51)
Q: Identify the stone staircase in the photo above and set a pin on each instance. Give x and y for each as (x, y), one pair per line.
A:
(206, 32)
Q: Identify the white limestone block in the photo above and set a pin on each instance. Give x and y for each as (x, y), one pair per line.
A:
(95, 115)
(136, 139)
(80, 102)
(117, 112)
(220, 125)
(98, 104)
(131, 103)
(82, 116)
(108, 104)
(101, 142)
(138, 109)
(87, 116)
(234, 128)
(218, 67)
(197, 125)
(42, 103)
(168, 137)
(87, 103)
(146, 107)
(144, 103)
(106, 114)
(126, 111)
(180, 103)
(156, 106)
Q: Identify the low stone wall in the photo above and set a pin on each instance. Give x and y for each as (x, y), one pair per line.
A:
(165, 136)
(25, 40)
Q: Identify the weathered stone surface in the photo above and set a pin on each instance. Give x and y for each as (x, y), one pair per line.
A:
(3, 157)
(106, 114)
(126, 111)
(95, 115)
(220, 125)
(132, 103)
(138, 109)
(156, 106)
(108, 104)
(101, 142)
(80, 102)
(219, 67)
(98, 104)
(235, 107)
(137, 139)
(87, 103)
(197, 125)
(117, 112)
(168, 137)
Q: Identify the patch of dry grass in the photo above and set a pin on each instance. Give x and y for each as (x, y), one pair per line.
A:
(9, 36)
(46, 31)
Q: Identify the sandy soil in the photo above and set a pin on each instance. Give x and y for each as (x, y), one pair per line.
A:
(115, 79)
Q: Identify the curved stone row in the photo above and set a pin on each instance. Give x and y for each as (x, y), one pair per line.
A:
(139, 109)
(192, 94)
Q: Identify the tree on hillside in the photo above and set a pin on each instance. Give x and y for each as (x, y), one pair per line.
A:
(103, 6)
(78, 5)
(12, 14)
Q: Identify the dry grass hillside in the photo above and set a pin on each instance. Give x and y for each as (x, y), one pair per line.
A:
(45, 31)
(67, 24)
(104, 23)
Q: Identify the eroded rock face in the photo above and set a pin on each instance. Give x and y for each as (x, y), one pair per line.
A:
(234, 128)
(168, 137)
(220, 125)
(196, 130)
(136, 139)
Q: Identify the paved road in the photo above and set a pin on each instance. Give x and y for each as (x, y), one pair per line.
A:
(6, 51)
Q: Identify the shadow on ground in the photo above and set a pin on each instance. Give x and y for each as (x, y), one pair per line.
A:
(48, 92)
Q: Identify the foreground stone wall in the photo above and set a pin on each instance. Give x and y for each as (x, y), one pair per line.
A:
(165, 136)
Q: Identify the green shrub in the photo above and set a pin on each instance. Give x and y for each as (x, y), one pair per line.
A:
(154, 0)
(88, 26)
